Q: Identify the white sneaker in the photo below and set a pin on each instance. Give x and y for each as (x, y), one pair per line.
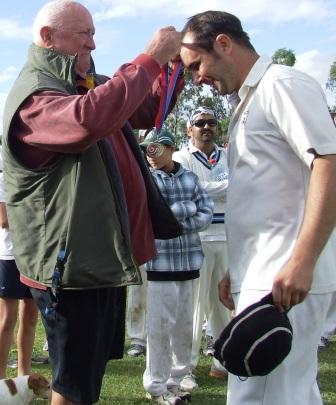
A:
(209, 349)
(167, 398)
(188, 383)
(184, 395)
(324, 342)
(136, 350)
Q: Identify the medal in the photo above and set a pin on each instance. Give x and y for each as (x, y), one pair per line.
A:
(167, 90)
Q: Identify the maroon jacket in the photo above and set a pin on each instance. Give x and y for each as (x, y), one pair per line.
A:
(51, 123)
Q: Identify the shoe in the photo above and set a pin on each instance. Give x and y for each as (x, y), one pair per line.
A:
(219, 374)
(188, 383)
(45, 346)
(209, 346)
(324, 342)
(40, 360)
(136, 350)
(165, 399)
(184, 395)
(12, 363)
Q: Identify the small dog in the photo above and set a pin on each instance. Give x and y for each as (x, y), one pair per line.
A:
(22, 390)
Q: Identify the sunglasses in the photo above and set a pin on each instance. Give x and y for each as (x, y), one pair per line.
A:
(202, 123)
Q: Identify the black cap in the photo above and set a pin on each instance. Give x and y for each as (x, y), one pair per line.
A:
(256, 341)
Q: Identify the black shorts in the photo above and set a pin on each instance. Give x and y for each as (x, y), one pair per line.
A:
(10, 284)
(86, 329)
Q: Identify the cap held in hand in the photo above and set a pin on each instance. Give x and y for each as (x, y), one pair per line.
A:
(256, 341)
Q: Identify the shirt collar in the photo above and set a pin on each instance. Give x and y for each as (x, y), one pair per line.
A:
(192, 148)
(255, 75)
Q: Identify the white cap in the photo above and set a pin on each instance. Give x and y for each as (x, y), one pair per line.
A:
(199, 111)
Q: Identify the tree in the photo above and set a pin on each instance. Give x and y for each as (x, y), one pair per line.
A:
(284, 56)
(331, 83)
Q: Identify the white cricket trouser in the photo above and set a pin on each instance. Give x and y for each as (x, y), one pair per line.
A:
(206, 301)
(293, 382)
(330, 321)
(169, 334)
(136, 311)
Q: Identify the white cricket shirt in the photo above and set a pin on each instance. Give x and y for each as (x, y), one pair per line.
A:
(281, 120)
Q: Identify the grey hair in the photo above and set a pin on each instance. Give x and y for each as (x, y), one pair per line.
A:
(50, 16)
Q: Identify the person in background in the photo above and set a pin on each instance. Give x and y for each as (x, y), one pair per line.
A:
(13, 296)
(171, 272)
(280, 212)
(79, 191)
(136, 305)
(136, 317)
(209, 162)
(329, 328)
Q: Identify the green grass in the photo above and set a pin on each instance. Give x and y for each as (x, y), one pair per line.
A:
(122, 383)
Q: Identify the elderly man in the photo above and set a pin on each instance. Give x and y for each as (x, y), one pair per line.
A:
(280, 200)
(79, 191)
(209, 162)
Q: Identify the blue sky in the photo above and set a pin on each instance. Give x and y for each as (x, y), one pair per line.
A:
(124, 27)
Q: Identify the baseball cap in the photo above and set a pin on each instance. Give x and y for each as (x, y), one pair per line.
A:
(256, 341)
(164, 137)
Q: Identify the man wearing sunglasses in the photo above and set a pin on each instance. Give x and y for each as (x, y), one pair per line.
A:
(208, 161)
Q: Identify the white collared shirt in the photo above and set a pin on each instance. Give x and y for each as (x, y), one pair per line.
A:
(215, 186)
(281, 121)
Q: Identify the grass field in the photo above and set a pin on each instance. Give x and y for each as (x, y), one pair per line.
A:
(123, 380)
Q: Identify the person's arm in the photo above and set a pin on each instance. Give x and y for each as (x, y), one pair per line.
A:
(224, 292)
(200, 217)
(294, 280)
(144, 117)
(3, 216)
(84, 119)
(215, 188)
(65, 123)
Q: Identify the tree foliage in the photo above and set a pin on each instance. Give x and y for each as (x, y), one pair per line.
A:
(331, 83)
(284, 56)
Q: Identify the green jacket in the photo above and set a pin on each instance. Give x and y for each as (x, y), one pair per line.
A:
(51, 208)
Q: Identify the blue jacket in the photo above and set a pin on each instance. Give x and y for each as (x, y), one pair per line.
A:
(181, 258)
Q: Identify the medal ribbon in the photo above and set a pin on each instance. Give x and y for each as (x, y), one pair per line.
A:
(168, 85)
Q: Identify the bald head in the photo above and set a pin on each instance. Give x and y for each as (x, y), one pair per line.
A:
(66, 27)
(55, 14)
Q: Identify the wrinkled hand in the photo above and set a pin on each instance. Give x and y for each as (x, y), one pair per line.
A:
(224, 292)
(165, 45)
(291, 285)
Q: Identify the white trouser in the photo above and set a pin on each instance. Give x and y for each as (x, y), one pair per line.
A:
(330, 321)
(206, 301)
(293, 382)
(136, 311)
(169, 321)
